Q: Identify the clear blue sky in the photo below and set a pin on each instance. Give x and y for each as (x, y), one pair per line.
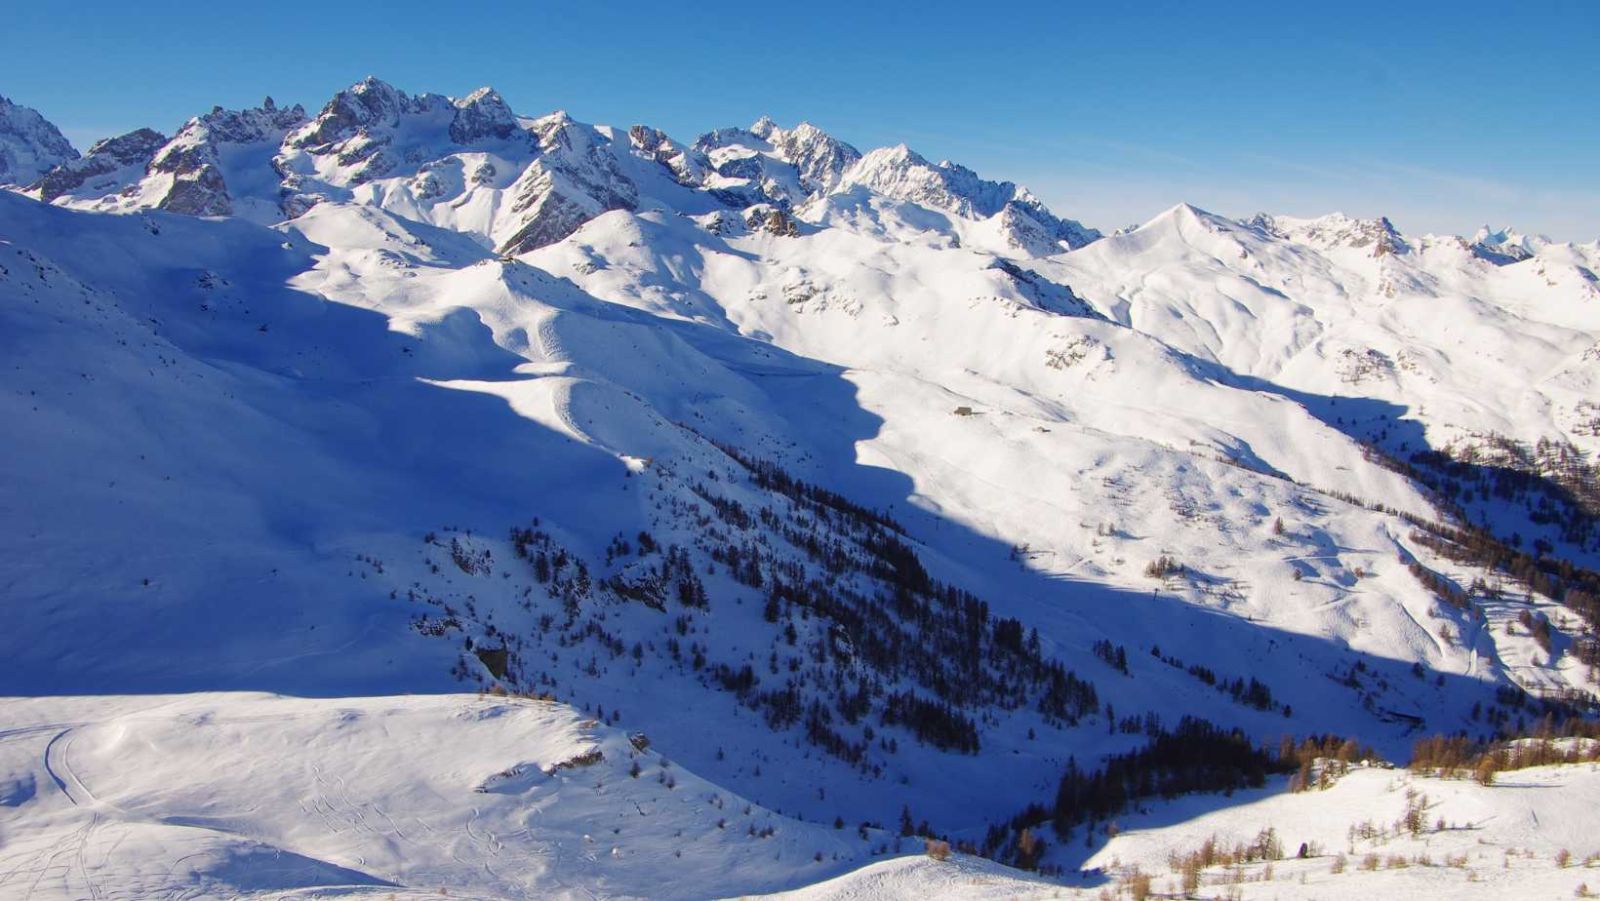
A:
(1441, 115)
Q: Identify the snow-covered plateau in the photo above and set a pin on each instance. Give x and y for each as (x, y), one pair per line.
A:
(411, 498)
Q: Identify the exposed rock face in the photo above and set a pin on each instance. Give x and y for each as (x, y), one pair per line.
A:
(29, 145)
(1035, 231)
(687, 166)
(366, 104)
(820, 158)
(198, 188)
(133, 150)
(136, 147)
(1046, 294)
(372, 131)
(193, 159)
(768, 164)
(480, 116)
(574, 179)
(773, 221)
(356, 127)
(903, 174)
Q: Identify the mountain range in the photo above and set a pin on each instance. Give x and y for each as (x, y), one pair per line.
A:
(839, 498)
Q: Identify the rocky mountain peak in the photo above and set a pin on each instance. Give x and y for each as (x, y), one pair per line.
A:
(819, 158)
(135, 146)
(367, 103)
(763, 127)
(1505, 245)
(482, 115)
(193, 157)
(30, 145)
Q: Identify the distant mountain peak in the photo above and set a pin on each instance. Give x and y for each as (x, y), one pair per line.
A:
(368, 103)
(1502, 246)
(372, 131)
(30, 145)
(482, 115)
(1336, 230)
(763, 127)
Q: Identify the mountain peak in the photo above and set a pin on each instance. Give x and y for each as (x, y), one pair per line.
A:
(1186, 221)
(1505, 245)
(818, 157)
(902, 173)
(763, 127)
(30, 145)
(366, 103)
(482, 114)
(1338, 230)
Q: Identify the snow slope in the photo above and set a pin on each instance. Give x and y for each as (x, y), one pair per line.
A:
(219, 795)
(1529, 836)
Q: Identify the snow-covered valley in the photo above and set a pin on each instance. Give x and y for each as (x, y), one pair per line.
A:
(356, 458)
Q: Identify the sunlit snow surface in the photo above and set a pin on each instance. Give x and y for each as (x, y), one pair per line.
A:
(227, 438)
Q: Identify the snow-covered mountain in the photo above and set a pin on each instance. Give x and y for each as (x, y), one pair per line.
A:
(864, 487)
(30, 145)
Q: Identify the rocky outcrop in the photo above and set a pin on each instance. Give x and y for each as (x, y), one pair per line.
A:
(768, 164)
(574, 179)
(355, 128)
(365, 105)
(130, 153)
(482, 116)
(193, 159)
(819, 158)
(772, 221)
(687, 166)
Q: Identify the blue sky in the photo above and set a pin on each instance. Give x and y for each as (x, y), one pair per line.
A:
(1441, 115)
